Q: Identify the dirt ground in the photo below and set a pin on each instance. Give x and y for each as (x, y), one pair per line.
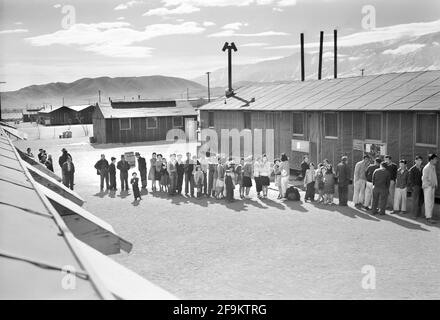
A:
(252, 249)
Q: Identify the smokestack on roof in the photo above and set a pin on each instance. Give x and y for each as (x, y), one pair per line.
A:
(335, 36)
(321, 40)
(302, 57)
(229, 47)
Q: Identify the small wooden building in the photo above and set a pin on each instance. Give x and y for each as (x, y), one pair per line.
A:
(31, 114)
(142, 120)
(396, 114)
(66, 115)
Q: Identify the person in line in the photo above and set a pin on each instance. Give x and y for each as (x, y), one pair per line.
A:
(212, 165)
(238, 172)
(368, 201)
(309, 183)
(198, 180)
(329, 183)
(319, 185)
(164, 176)
(102, 168)
(29, 153)
(415, 186)
(264, 175)
(112, 174)
(247, 175)
(172, 171)
(229, 183)
(429, 184)
(304, 166)
(204, 167)
(142, 167)
(285, 174)
(180, 169)
(189, 175)
(401, 188)
(152, 171)
(49, 163)
(123, 167)
(277, 178)
(135, 186)
(381, 189)
(40, 155)
(360, 181)
(63, 158)
(68, 172)
(220, 182)
(392, 169)
(257, 178)
(158, 169)
(343, 174)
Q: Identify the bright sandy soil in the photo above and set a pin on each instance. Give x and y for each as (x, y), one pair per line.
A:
(253, 249)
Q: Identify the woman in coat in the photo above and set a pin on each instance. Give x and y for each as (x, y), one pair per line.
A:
(329, 182)
(152, 171)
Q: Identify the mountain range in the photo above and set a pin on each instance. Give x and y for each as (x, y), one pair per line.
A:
(84, 91)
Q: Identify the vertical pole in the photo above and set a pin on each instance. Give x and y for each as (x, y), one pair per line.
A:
(99, 96)
(302, 57)
(321, 40)
(209, 88)
(335, 35)
(1, 82)
(187, 94)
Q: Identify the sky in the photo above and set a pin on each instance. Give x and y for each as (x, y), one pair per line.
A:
(44, 41)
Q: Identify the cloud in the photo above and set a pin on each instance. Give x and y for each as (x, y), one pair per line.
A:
(182, 9)
(120, 18)
(208, 24)
(18, 23)
(276, 9)
(126, 5)
(255, 44)
(231, 33)
(113, 39)
(286, 3)
(378, 35)
(56, 6)
(405, 49)
(13, 31)
(234, 26)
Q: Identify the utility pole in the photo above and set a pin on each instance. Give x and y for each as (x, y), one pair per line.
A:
(99, 96)
(187, 94)
(209, 88)
(335, 49)
(1, 82)
(362, 71)
(301, 39)
(321, 40)
(229, 47)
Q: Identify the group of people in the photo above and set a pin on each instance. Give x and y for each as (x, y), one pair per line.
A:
(65, 162)
(378, 185)
(209, 175)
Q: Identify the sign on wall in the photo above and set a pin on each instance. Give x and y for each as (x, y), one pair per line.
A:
(300, 146)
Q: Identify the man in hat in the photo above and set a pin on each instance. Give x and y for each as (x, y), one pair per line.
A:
(429, 184)
(102, 168)
(189, 174)
(369, 185)
(360, 181)
(381, 188)
(123, 167)
(142, 167)
(180, 172)
(401, 188)
(63, 158)
(343, 174)
(172, 172)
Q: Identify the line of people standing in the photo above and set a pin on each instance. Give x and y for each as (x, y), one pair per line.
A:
(208, 175)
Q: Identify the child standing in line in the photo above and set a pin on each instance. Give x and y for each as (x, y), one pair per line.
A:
(135, 185)
(198, 179)
(309, 183)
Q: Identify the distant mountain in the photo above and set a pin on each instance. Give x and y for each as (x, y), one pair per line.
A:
(405, 54)
(85, 91)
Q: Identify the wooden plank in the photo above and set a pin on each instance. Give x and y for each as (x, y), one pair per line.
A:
(54, 185)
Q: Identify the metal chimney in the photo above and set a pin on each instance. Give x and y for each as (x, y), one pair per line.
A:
(229, 47)
(302, 57)
(321, 40)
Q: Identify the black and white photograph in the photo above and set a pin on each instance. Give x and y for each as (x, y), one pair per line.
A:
(217, 156)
